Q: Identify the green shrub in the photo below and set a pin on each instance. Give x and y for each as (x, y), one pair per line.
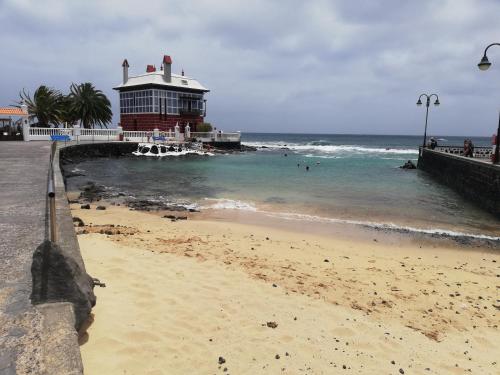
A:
(204, 127)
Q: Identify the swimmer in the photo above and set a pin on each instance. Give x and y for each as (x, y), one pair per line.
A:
(307, 167)
(318, 163)
(286, 154)
(298, 165)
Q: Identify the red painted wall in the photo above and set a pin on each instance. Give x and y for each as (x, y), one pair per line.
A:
(150, 121)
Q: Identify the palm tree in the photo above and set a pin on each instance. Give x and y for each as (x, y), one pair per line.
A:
(44, 106)
(90, 106)
(67, 115)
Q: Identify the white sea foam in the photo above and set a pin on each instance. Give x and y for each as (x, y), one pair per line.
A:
(230, 204)
(324, 156)
(245, 206)
(333, 149)
(388, 226)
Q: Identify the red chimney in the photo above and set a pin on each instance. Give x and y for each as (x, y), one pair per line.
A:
(167, 59)
(150, 69)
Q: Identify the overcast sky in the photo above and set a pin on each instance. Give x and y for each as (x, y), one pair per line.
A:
(274, 66)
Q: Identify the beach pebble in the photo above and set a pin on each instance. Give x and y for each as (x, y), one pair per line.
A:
(221, 360)
(277, 356)
(100, 208)
(326, 261)
(85, 206)
(401, 371)
(272, 324)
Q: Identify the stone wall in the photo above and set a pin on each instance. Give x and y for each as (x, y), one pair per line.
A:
(92, 150)
(476, 180)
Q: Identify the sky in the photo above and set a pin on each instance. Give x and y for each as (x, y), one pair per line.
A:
(313, 66)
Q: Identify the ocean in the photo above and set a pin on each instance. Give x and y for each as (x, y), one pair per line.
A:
(350, 179)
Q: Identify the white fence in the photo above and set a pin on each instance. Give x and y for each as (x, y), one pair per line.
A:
(92, 135)
(216, 137)
(42, 134)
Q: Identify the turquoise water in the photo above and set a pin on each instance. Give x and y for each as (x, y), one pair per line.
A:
(350, 177)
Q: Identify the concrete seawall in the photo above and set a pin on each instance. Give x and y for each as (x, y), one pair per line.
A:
(37, 330)
(476, 180)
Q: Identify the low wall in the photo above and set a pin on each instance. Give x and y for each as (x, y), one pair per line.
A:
(476, 180)
(80, 152)
(58, 269)
(93, 150)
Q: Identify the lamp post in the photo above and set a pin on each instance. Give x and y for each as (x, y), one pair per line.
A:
(427, 103)
(485, 64)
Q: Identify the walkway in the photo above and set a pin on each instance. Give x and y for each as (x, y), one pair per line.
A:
(33, 339)
(23, 186)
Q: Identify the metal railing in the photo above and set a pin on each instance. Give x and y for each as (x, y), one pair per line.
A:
(51, 193)
(480, 152)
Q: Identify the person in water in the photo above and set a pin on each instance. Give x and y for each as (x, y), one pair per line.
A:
(307, 167)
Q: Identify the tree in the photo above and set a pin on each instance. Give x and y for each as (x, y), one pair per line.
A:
(89, 105)
(45, 105)
(66, 113)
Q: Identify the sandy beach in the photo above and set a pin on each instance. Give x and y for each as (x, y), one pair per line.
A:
(205, 296)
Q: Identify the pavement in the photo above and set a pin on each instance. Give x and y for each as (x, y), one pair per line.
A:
(28, 341)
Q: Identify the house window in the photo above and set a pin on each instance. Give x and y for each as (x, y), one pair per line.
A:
(148, 101)
(140, 101)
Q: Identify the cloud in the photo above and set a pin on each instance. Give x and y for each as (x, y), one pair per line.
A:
(294, 66)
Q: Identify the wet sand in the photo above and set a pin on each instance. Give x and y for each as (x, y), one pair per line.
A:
(216, 296)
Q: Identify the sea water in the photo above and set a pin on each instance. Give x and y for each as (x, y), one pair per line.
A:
(346, 178)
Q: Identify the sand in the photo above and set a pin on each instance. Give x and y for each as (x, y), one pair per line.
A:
(216, 297)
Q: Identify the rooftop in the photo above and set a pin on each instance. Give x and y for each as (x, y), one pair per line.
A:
(156, 78)
(12, 111)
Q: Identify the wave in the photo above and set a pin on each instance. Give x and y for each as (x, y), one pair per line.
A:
(323, 156)
(230, 204)
(333, 149)
(245, 206)
(385, 226)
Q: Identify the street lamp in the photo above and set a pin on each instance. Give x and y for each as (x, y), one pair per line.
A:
(427, 103)
(485, 64)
